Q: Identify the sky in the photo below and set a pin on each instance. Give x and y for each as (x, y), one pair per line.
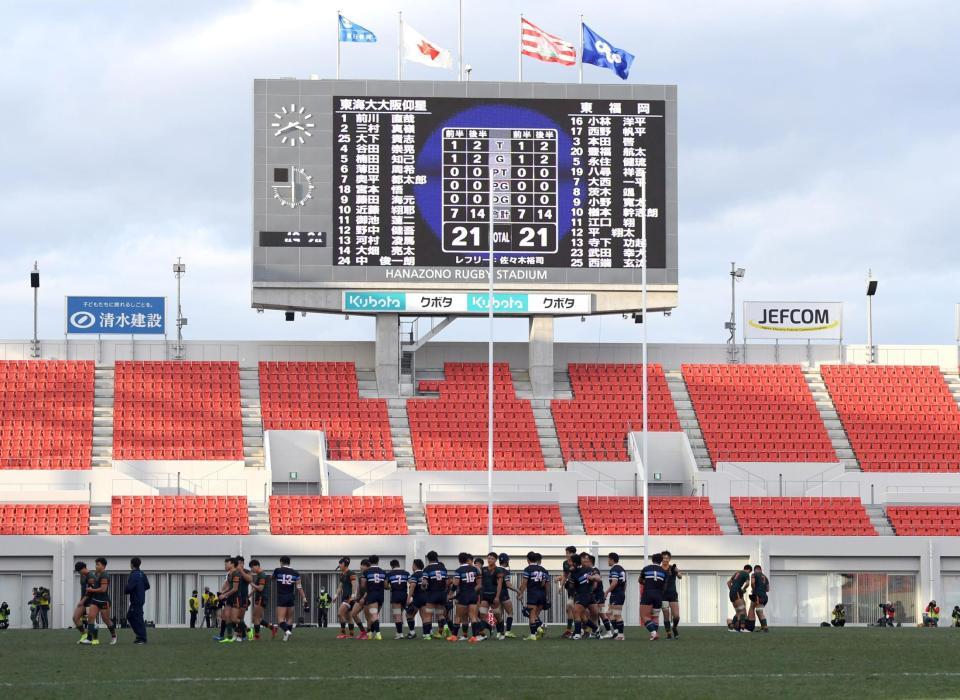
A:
(817, 139)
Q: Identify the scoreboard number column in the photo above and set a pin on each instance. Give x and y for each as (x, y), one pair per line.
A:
(466, 190)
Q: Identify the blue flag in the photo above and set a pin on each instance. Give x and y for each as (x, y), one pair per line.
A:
(599, 52)
(349, 31)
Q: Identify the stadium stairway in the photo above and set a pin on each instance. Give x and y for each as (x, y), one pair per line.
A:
(879, 520)
(562, 389)
(251, 418)
(258, 516)
(953, 383)
(367, 384)
(725, 518)
(400, 433)
(831, 420)
(103, 419)
(100, 520)
(547, 432)
(688, 418)
(572, 520)
(416, 516)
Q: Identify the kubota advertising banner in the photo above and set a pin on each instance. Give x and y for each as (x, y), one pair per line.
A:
(793, 320)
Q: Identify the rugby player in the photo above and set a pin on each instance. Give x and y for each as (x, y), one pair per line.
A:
(243, 600)
(616, 595)
(584, 579)
(569, 586)
(466, 578)
(599, 598)
(534, 580)
(492, 580)
(433, 581)
(230, 599)
(653, 578)
(288, 586)
(671, 600)
(372, 583)
(260, 586)
(416, 597)
(506, 605)
(759, 588)
(347, 584)
(98, 602)
(80, 611)
(397, 580)
(737, 584)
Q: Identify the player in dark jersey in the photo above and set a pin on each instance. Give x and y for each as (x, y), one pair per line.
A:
(80, 611)
(671, 599)
(98, 602)
(346, 589)
(416, 597)
(737, 585)
(243, 600)
(466, 579)
(569, 587)
(226, 613)
(433, 581)
(534, 580)
(506, 604)
(493, 579)
(288, 585)
(616, 595)
(596, 611)
(261, 587)
(583, 580)
(373, 582)
(653, 578)
(759, 589)
(230, 597)
(397, 580)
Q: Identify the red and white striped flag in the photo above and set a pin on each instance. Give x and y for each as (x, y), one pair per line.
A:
(536, 43)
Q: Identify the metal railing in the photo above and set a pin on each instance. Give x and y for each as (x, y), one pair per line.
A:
(175, 485)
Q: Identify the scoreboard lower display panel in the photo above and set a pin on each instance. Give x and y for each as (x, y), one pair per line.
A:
(407, 185)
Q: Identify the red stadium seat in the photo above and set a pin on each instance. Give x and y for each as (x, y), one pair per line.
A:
(44, 519)
(925, 521)
(607, 404)
(179, 515)
(450, 432)
(898, 418)
(757, 413)
(46, 414)
(177, 411)
(337, 515)
(669, 515)
(325, 396)
(802, 516)
(508, 519)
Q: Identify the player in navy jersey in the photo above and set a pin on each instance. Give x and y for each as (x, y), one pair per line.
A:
(397, 580)
(596, 611)
(671, 599)
(583, 580)
(616, 595)
(493, 579)
(373, 581)
(653, 578)
(467, 581)
(506, 605)
(434, 583)
(416, 597)
(534, 580)
(288, 586)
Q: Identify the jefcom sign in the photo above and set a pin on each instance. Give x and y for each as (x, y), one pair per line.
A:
(791, 320)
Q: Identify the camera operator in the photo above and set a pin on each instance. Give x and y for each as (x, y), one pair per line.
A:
(887, 613)
(839, 615)
(931, 615)
(4, 615)
(956, 615)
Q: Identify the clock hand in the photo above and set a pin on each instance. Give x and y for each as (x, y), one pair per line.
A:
(290, 125)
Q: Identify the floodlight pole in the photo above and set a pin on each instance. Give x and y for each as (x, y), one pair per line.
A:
(871, 353)
(179, 270)
(35, 283)
(731, 325)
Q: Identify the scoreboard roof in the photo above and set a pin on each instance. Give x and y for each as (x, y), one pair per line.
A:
(368, 194)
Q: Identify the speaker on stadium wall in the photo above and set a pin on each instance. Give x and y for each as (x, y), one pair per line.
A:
(289, 315)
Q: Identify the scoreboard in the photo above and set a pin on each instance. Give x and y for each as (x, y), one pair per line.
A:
(389, 186)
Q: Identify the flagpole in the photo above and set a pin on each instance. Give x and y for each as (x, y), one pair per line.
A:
(400, 46)
(520, 51)
(460, 42)
(338, 44)
(580, 57)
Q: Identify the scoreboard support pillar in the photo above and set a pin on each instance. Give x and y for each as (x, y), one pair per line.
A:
(388, 355)
(540, 348)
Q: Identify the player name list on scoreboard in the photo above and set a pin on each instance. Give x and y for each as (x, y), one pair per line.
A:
(556, 183)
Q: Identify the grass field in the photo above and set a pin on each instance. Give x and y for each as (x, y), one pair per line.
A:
(705, 662)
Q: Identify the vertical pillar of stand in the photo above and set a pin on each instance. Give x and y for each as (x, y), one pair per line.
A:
(540, 351)
(387, 358)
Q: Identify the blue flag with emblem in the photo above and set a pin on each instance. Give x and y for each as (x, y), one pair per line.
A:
(353, 32)
(600, 52)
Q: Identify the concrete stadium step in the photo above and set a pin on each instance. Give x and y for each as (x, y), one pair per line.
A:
(367, 384)
(416, 518)
(572, 522)
(102, 453)
(259, 517)
(879, 519)
(953, 384)
(547, 434)
(251, 418)
(688, 418)
(100, 520)
(726, 519)
(400, 433)
(828, 414)
(562, 389)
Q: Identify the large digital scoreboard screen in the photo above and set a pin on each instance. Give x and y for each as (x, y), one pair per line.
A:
(399, 187)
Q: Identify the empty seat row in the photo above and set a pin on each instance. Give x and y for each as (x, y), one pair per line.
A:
(337, 515)
(801, 516)
(623, 515)
(44, 519)
(508, 519)
(179, 515)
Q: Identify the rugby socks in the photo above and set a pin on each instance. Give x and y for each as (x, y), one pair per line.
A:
(363, 630)
(577, 627)
(509, 623)
(500, 627)
(223, 628)
(652, 625)
(591, 625)
(351, 629)
(619, 624)
(533, 627)
(606, 623)
(113, 631)
(375, 627)
(475, 628)
(427, 628)
(411, 623)
(569, 623)
(742, 621)
(256, 630)
(229, 629)
(763, 623)
(676, 623)
(399, 626)
(91, 631)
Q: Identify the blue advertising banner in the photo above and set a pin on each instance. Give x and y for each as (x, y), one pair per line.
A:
(124, 315)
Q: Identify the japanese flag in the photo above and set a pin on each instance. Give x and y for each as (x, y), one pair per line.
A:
(419, 49)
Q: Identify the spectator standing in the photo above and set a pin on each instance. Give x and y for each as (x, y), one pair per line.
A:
(193, 605)
(137, 587)
(44, 608)
(209, 607)
(35, 609)
(323, 605)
